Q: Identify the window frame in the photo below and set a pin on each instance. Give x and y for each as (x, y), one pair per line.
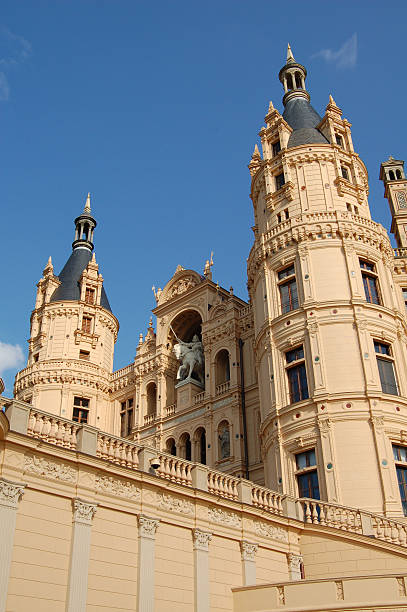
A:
(126, 417)
(81, 405)
(279, 184)
(401, 468)
(288, 281)
(299, 366)
(276, 147)
(386, 357)
(308, 471)
(87, 324)
(90, 291)
(369, 273)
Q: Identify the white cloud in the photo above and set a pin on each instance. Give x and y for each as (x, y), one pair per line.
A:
(11, 356)
(4, 87)
(345, 56)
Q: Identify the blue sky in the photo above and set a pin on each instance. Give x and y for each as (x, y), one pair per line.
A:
(155, 109)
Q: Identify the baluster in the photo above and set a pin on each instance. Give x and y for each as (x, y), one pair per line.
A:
(387, 531)
(183, 473)
(110, 450)
(178, 472)
(66, 440)
(59, 438)
(31, 423)
(131, 454)
(73, 437)
(280, 505)
(315, 519)
(395, 533)
(210, 482)
(105, 448)
(99, 448)
(322, 514)
(402, 535)
(379, 528)
(37, 426)
(255, 499)
(189, 476)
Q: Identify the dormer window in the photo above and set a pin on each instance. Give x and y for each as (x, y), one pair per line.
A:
(276, 148)
(345, 173)
(280, 181)
(339, 140)
(87, 325)
(89, 295)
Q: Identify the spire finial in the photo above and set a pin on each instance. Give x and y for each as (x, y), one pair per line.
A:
(271, 107)
(290, 56)
(87, 204)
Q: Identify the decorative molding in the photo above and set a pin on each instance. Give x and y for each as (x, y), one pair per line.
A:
(217, 515)
(49, 469)
(201, 539)
(268, 531)
(248, 550)
(113, 486)
(175, 504)
(83, 511)
(10, 493)
(147, 526)
(294, 561)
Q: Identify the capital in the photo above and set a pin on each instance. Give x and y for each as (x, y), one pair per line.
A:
(201, 539)
(83, 511)
(147, 526)
(248, 550)
(10, 493)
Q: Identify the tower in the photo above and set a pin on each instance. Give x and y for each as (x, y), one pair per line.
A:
(72, 336)
(395, 190)
(329, 342)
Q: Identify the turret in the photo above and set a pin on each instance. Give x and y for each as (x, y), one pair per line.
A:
(395, 190)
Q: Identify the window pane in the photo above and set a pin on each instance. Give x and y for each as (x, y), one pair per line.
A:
(123, 424)
(308, 485)
(280, 180)
(295, 354)
(306, 459)
(276, 148)
(286, 272)
(387, 378)
(402, 480)
(289, 296)
(400, 453)
(382, 348)
(297, 380)
(370, 287)
(129, 422)
(366, 265)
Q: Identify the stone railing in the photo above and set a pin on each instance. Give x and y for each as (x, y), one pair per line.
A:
(175, 469)
(267, 500)
(402, 252)
(223, 484)
(149, 418)
(245, 311)
(223, 388)
(52, 429)
(199, 397)
(122, 372)
(117, 450)
(353, 520)
(170, 410)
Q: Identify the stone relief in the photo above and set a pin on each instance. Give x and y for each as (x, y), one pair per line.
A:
(268, 531)
(201, 539)
(50, 469)
(121, 488)
(175, 504)
(10, 493)
(83, 511)
(147, 526)
(248, 550)
(217, 515)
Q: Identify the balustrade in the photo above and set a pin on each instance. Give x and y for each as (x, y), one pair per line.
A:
(389, 530)
(267, 500)
(149, 418)
(52, 429)
(118, 451)
(170, 410)
(223, 388)
(199, 397)
(175, 469)
(402, 252)
(222, 484)
(332, 515)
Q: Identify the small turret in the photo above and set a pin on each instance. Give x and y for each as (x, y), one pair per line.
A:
(85, 225)
(395, 190)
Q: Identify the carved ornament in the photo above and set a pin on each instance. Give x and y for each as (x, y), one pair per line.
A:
(201, 539)
(147, 526)
(248, 550)
(113, 486)
(83, 511)
(231, 519)
(10, 493)
(49, 469)
(175, 504)
(269, 531)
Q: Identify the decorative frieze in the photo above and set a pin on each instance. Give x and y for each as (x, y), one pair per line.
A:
(147, 526)
(49, 469)
(83, 511)
(231, 519)
(10, 493)
(175, 504)
(116, 487)
(269, 531)
(201, 539)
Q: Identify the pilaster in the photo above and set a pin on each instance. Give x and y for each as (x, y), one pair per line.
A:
(248, 550)
(201, 541)
(146, 561)
(10, 494)
(294, 566)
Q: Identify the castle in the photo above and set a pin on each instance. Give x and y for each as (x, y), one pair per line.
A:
(253, 456)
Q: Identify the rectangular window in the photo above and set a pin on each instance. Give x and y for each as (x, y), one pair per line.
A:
(349, 207)
(89, 295)
(345, 173)
(386, 368)
(370, 282)
(87, 325)
(339, 140)
(129, 421)
(279, 218)
(280, 181)
(126, 418)
(36, 357)
(307, 475)
(80, 409)
(356, 210)
(287, 214)
(85, 355)
(287, 284)
(297, 375)
(405, 297)
(276, 148)
(400, 457)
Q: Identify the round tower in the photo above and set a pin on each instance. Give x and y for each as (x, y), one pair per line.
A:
(329, 327)
(72, 337)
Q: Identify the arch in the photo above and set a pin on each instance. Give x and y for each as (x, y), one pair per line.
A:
(200, 445)
(185, 324)
(298, 82)
(185, 447)
(224, 440)
(391, 175)
(170, 446)
(222, 367)
(151, 391)
(398, 174)
(290, 81)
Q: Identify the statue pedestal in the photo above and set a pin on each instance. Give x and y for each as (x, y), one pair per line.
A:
(186, 390)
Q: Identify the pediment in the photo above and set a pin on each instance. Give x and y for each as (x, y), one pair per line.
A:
(181, 282)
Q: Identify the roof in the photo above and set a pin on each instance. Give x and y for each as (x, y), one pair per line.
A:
(70, 275)
(303, 119)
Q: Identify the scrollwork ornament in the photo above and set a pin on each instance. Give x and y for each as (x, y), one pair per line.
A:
(269, 531)
(217, 515)
(248, 550)
(174, 504)
(201, 539)
(10, 493)
(83, 511)
(147, 526)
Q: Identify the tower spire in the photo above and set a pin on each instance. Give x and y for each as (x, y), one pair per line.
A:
(292, 76)
(290, 56)
(84, 227)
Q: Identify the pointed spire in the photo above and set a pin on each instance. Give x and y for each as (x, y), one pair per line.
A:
(49, 262)
(290, 56)
(332, 101)
(271, 107)
(93, 257)
(256, 152)
(87, 204)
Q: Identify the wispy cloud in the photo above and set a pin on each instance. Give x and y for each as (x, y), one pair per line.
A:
(14, 50)
(345, 56)
(11, 356)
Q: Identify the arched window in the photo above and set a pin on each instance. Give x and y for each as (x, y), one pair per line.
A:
(222, 367)
(398, 174)
(290, 81)
(224, 440)
(391, 175)
(298, 83)
(185, 446)
(200, 445)
(170, 446)
(151, 398)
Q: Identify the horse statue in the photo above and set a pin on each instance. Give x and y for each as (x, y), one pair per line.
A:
(192, 358)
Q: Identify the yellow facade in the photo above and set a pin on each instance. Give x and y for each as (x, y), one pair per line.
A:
(271, 480)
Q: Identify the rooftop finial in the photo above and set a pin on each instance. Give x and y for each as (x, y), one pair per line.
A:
(87, 204)
(290, 56)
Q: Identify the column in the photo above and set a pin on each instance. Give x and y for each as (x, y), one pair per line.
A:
(295, 565)
(146, 558)
(83, 513)
(248, 550)
(201, 541)
(10, 493)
